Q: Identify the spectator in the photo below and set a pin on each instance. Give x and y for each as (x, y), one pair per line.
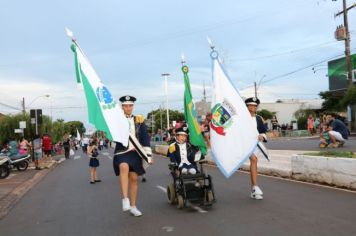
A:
(37, 150)
(324, 136)
(337, 131)
(310, 124)
(47, 145)
(24, 145)
(275, 126)
(66, 145)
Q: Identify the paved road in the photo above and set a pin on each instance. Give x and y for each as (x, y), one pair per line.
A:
(307, 144)
(64, 203)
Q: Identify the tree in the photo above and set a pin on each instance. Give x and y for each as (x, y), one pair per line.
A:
(71, 127)
(302, 117)
(161, 115)
(331, 102)
(266, 114)
(349, 98)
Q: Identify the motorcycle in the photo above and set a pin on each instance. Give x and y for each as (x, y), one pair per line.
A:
(4, 167)
(20, 161)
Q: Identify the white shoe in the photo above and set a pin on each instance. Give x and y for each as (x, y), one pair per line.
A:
(135, 212)
(126, 204)
(256, 193)
(192, 171)
(184, 171)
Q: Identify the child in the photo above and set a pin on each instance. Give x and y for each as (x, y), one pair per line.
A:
(324, 136)
(94, 162)
(183, 153)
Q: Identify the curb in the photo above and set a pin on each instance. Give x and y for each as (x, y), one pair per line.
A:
(10, 200)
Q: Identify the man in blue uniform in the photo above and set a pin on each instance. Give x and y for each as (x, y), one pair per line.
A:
(252, 104)
(127, 162)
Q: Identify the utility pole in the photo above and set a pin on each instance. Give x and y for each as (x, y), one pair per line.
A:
(23, 106)
(255, 89)
(165, 75)
(347, 47)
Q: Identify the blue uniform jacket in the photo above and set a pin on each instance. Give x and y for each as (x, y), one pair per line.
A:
(141, 134)
(174, 153)
(261, 126)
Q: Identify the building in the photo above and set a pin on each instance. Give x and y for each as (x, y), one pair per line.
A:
(286, 108)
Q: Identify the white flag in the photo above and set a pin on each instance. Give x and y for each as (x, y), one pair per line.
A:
(233, 135)
(103, 110)
(78, 135)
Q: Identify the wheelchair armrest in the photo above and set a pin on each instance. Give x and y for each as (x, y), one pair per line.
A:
(203, 161)
(173, 166)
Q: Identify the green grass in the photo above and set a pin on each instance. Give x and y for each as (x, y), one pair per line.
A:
(332, 153)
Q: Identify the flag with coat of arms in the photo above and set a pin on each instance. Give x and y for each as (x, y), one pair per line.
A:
(233, 136)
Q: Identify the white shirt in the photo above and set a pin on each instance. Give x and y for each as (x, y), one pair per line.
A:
(183, 154)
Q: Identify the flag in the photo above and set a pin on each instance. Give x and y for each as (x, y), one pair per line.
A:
(233, 136)
(78, 135)
(103, 110)
(195, 136)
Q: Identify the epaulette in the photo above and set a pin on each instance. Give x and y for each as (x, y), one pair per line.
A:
(172, 148)
(139, 119)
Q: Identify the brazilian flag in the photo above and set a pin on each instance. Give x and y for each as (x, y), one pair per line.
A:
(195, 136)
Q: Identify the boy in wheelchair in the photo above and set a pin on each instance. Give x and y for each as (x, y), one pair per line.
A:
(183, 153)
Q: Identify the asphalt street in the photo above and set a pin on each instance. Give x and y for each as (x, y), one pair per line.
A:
(64, 203)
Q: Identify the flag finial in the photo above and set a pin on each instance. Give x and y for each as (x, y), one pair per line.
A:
(183, 59)
(69, 34)
(214, 54)
(210, 42)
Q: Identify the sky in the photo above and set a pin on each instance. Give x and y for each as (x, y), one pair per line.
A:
(131, 43)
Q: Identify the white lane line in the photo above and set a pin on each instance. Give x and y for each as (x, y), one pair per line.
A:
(77, 157)
(198, 209)
(106, 153)
(162, 188)
(110, 157)
(61, 160)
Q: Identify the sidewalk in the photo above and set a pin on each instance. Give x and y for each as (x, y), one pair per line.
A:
(14, 187)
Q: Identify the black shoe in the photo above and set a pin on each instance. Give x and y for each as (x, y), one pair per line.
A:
(143, 180)
(38, 168)
(92, 182)
(98, 180)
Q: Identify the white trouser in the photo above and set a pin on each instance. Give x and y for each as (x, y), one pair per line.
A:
(337, 135)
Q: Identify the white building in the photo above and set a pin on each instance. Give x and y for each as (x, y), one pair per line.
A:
(285, 109)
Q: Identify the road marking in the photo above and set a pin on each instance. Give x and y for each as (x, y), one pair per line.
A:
(106, 153)
(61, 160)
(162, 188)
(198, 209)
(168, 228)
(110, 157)
(77, 157)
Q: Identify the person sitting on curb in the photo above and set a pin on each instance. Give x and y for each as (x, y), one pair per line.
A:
(337, 130)
(324, 136)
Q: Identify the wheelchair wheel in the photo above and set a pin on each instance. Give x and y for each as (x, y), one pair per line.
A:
(210, 196)
(180, 201)
(171, 194)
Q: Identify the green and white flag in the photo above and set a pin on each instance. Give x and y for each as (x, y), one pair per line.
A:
(103, 111)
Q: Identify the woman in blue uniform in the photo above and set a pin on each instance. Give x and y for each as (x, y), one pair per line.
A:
(127, 162)
(252, 104)
(93, 162)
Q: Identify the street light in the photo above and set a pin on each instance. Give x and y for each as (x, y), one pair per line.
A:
(41, 96)
(165, 75)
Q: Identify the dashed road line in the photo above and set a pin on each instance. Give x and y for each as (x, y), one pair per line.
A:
(77, 157)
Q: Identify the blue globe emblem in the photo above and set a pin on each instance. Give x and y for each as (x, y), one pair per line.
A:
(104, 96)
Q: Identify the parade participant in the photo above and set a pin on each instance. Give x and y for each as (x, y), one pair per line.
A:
(252, 104)
(183, 153)
(94, 162)
(127, 163)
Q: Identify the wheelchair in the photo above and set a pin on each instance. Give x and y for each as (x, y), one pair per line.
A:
(190, 189)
